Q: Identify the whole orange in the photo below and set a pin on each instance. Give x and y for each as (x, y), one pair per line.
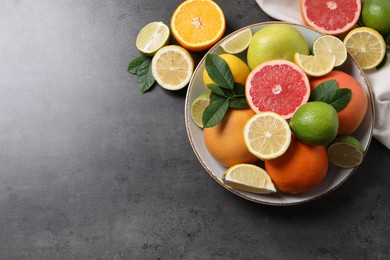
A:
(225, 141)
(353, 114)
(301, 168)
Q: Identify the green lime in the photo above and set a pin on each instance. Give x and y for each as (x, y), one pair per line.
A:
(346, 152)
(238, 42)
(315, 123)
(197, 108)
(152, 37)
(376, 14)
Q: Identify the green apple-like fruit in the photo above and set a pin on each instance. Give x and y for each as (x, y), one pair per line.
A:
(275, 42)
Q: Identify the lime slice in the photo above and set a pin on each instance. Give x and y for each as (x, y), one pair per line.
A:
(249, 177)
(315, 66)
(346, 152)
(197, 108)
(152, 37)
(327, 45)
(366, 46)
(238, 42)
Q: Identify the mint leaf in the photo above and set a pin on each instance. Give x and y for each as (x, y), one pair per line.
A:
(145, 77)
(238, 102)
(135, 64)
(219, 71)
(340, 98)
(323, 90)
(214, 112)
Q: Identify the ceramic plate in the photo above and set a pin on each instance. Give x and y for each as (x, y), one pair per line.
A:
(335, 177)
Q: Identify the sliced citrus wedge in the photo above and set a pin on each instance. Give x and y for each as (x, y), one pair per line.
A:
(315, 66)
(366, 46)
(172, 67)
(346, 152)
(249, 177)
(327, 45)
(238, 42)
(267, 135)
(152, 37)
(197, 108)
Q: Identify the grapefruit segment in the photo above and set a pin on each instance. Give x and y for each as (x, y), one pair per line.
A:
(279, 86)
(332, 17)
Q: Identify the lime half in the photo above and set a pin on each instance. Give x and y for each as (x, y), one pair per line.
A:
(197, 108)
(328, 45)
(346, 152)
(238, 42)
(152, 37)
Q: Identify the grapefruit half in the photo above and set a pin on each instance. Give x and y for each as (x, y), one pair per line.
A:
(279, 86)
(332, 17)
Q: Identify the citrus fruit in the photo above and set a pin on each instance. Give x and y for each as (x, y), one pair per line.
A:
(267, 135)
(279, 86)
(198, 24)
(346, 152)
(330, 45)
(375, 14)
(172, 67)
(315, 123)
(301, 168)
(225, 141)
(316, 65)
(366, 46)
(249, 177)
(275, 42)
(152, 37)
(332, 17)
(239, 69)
(197, 108)
(353, 114)
(238, 42)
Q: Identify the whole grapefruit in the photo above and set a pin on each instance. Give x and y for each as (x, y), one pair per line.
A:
(225, 141)
(301, 168)
(353, 114)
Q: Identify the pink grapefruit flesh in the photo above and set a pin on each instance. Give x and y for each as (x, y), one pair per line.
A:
(279, 86)
(331, 16)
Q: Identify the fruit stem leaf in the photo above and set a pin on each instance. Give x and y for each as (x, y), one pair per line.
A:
(219, 71)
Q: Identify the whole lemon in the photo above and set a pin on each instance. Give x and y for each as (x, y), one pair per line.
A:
(275, 42)
(315, 123)
(239, 69)
(376, 14)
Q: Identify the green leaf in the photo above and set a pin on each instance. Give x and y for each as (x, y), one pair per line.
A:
(219, 71)
(214, 112)
(214, 96)
(239, 89)
(136, 64)
(145, 77)
(383, 62)
(216, 89)
(340, 98)
(238, 102)
(323, 90)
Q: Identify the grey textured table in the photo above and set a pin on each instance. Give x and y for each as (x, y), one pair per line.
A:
(92, 169)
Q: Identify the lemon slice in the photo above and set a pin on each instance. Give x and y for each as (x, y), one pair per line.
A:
(249, 177)
(315, 66)
(172, 67)
(238, 42)
(152, 37)
(327, 45)
(267, 135)
(366, 46)
(346, 152)
(197, 108)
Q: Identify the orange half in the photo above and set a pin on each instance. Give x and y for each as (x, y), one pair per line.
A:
(198, 24)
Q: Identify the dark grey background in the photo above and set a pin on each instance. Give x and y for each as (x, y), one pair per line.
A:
(92, 169)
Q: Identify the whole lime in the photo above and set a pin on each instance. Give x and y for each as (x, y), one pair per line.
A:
(376, 14)
(275, 42)
(315, 123)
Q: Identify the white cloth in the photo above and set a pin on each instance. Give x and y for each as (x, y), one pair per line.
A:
(379, 80)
